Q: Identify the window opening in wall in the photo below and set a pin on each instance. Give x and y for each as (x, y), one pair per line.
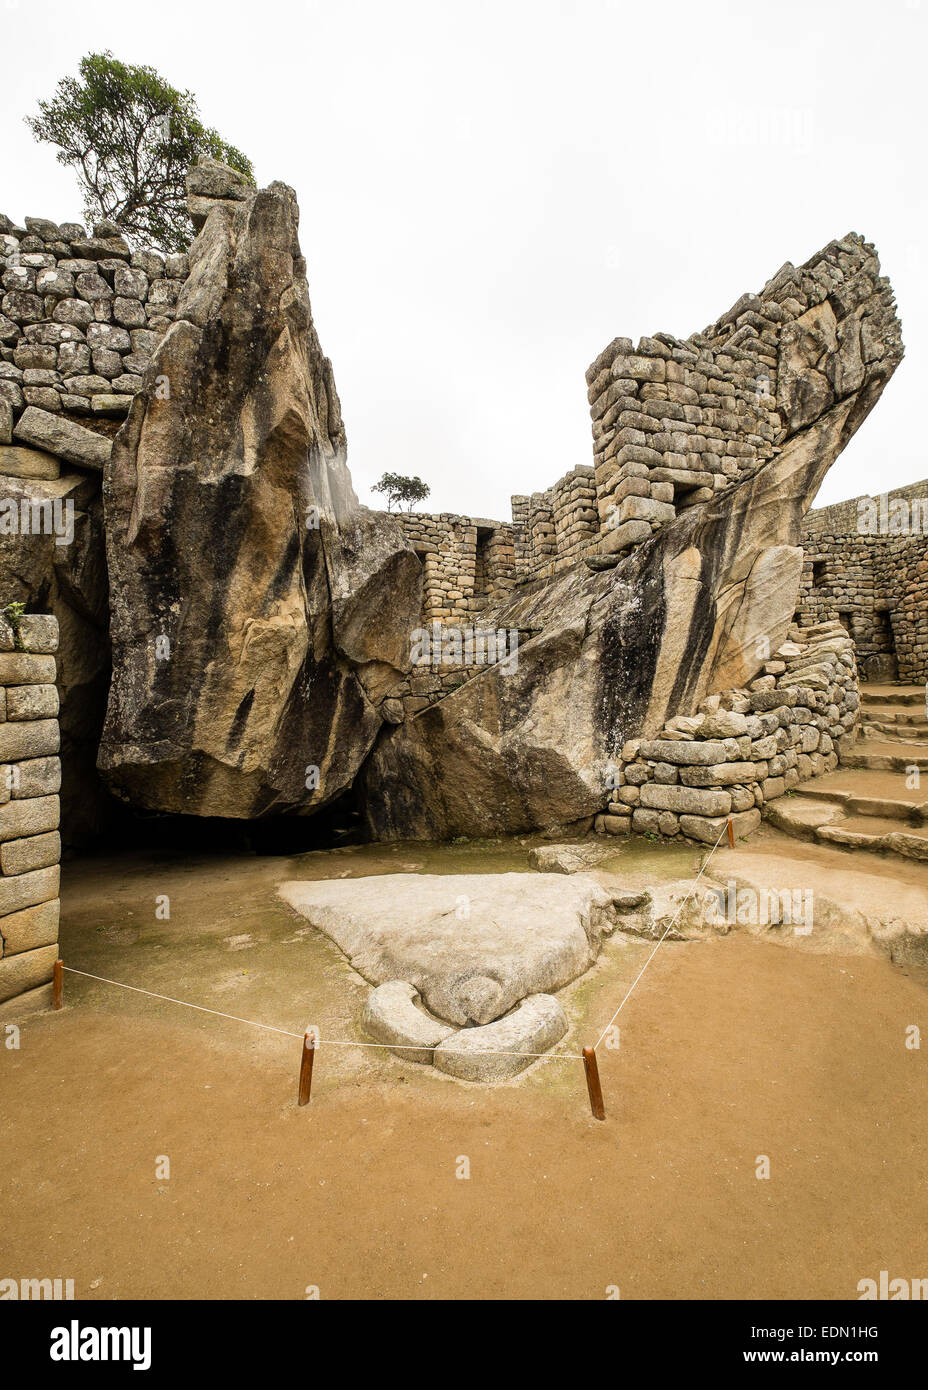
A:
(481, 564)
(819, 568)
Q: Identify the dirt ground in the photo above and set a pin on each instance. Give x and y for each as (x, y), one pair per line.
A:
(731, 1049)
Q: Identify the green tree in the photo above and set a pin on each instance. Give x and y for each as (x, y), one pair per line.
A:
(399, 489)
(131, 138)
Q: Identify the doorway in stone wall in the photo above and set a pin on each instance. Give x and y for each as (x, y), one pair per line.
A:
(881, 663)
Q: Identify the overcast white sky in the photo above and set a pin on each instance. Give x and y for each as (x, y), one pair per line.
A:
(490, 192)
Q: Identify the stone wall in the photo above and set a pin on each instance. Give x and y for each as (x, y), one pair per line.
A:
(866, 564)
(675, 420)
(744, 748)
(555, 529)
(30, 777)
(468, 562)
(79, 316)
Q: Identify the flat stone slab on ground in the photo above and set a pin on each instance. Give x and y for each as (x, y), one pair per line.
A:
(473, 945)
(569, 859)
(862, 905)
(486, 1054)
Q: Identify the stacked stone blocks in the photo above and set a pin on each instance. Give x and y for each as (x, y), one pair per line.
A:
(80, 316)
(743, 748)
(878, 581)
(469, 563)
(676, 420)
(30, 779)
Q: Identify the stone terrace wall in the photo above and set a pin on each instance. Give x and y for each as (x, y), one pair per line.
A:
(675, 420)
(744, 748)
(30, 847)
(876, 584)
(79, 316)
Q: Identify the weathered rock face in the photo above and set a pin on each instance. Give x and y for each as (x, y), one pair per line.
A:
(255, 609)
(692, 611)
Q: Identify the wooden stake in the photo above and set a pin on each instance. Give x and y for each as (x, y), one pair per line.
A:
(57, 984)
(591, 1068)
(306, 1067)
(731, 832)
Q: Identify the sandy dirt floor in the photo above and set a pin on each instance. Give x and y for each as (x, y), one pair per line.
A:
(731, 1049)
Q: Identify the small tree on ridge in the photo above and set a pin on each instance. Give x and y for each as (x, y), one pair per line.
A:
(131, 137)
(399, 489)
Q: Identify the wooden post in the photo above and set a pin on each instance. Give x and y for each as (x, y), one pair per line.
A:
(591, 1068)
(306, 1067)
(731, 832)
(57, 984)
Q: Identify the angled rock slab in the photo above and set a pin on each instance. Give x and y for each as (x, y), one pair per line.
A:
(908, 844)
(63, 438)
(488, 1053)
(390, 1016)
(569, 859)
(473, 945)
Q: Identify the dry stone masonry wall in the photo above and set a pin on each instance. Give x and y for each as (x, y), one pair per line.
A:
(30, 777)
(468, 562)
(744, 748)
(866, 564)
(676, 420)
(79, 317)
(558, 527)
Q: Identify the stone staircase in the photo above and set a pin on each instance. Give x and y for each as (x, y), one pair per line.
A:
(892, 735)
(875, 800)
(893, 712)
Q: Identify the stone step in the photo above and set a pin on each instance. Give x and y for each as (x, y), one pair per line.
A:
(863, 782)
(874, 833)
(881, 729)
(884, 756)
(896, 714)
(811, 818)
(893, 808)
(893, 695)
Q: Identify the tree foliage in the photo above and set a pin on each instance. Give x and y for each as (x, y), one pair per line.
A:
(131, 138)
(399, 489)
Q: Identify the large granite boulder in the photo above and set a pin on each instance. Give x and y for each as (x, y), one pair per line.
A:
(472, 945)
(255, 609)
